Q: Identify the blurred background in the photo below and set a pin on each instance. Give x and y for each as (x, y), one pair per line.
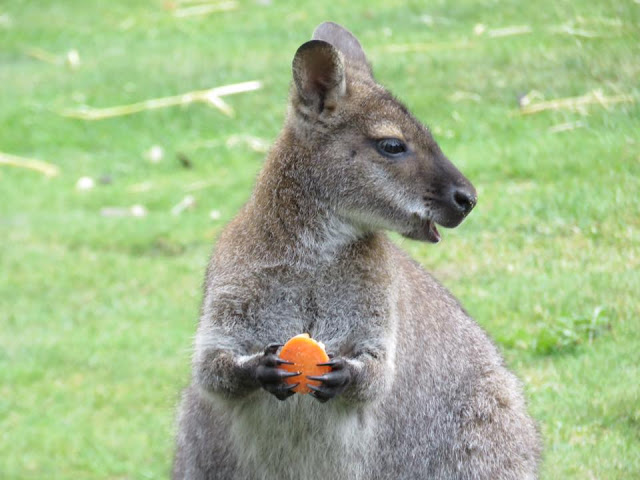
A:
(119, 166)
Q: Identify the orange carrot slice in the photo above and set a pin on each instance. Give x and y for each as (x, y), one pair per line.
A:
(305, 353)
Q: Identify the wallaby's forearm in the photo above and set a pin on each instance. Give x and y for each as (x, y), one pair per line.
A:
(370, 377)
(222, 372)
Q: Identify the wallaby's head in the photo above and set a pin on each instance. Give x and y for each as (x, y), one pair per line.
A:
(368, 157)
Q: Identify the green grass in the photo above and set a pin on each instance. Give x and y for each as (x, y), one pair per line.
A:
(97, 314)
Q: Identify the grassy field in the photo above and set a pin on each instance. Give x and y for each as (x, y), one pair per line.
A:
(97, 312)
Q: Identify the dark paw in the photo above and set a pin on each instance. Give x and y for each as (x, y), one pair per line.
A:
(272, 378)
(332, 383)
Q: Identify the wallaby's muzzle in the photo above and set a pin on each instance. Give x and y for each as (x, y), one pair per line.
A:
(450, 198)
(456, 203)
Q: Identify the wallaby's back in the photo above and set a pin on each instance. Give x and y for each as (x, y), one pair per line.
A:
(416, 388)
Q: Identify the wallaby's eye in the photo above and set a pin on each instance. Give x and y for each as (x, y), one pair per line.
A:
(391, 147)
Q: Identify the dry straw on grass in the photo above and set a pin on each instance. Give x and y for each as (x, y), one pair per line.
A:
(595, 97)
(566, 127)
(211, 96)
(425, 47)
(479, 30)
(71, 58)
(204, 9)
(45, 168)
(509, 31)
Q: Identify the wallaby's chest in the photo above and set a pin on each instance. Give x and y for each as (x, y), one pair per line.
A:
(331, 304)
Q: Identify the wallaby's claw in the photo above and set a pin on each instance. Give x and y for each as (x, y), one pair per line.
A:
(332, 383)
(272, 378)
(336, 378)
(279, 361)
(319, 394)
(334, 363)
(268, 374)
(272, 360)
(282, 392)
(272, 348)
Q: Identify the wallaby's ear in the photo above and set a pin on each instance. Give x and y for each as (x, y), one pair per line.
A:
(318, 73)
(343, 40)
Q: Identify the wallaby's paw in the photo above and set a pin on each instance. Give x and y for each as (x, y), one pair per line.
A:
(270, 377)
(332, 383)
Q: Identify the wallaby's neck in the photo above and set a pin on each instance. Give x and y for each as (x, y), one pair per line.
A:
(293, 214)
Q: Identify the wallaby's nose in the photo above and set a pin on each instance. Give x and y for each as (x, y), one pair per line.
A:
(464, 198)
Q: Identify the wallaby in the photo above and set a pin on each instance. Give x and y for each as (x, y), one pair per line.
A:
(416, 388)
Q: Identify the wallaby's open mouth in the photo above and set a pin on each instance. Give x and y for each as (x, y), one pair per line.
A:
(447, 213)
(431, 232)
(425, 232)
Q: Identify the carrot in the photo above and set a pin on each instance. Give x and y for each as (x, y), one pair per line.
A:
(305, 353)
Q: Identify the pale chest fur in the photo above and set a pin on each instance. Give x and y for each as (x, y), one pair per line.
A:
(299, 439)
